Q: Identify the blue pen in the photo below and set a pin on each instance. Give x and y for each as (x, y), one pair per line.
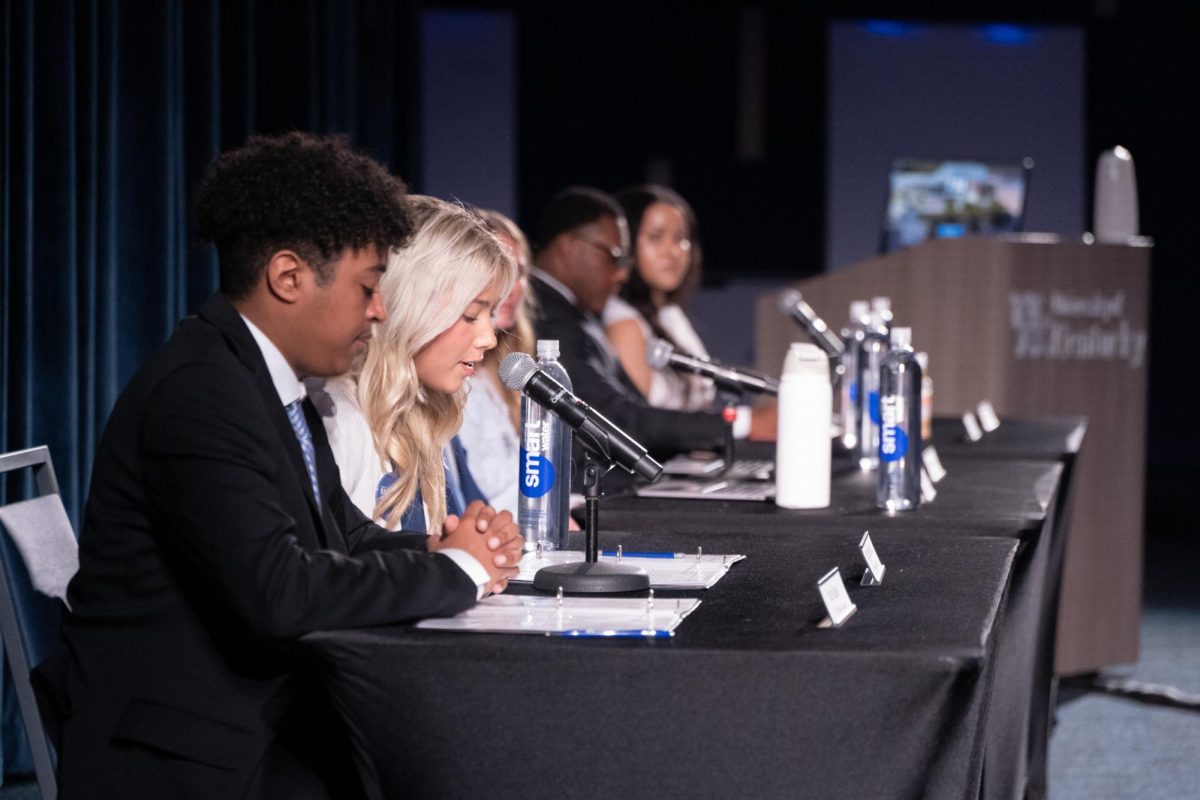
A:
(635, 554)
(620, 633)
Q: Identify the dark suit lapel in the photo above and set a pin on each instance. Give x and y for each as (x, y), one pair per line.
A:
(222, 315)
(553, 306)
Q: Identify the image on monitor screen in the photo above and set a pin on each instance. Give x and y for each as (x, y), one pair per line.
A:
(931, 199)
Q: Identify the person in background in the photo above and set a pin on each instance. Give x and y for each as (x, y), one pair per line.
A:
(492, 416)
(666, 270)
(392, 420)
(582, 258)
(216, 533)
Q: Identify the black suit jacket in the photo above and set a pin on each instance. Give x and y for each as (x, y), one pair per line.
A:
(599, 380)
(203, 558)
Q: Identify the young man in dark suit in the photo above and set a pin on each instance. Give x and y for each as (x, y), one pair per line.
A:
(217, 532)
(582, 258)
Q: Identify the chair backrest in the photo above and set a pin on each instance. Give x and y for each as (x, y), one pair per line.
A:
(39, 554)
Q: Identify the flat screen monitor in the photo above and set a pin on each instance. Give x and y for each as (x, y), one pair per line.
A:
(932, 199)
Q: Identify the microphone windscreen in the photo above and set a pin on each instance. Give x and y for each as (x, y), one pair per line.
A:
(658, 353)
(516, 369)
(789, 299)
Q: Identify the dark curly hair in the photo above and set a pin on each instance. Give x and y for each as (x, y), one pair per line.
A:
(634, 201)
(311, 194)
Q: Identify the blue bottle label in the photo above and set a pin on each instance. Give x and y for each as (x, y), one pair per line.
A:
(537, 474)
(893, 441)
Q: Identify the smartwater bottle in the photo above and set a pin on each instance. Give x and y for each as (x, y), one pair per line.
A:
(899, 476)
(926, 398)
(852, 336)
(871, 352)
(884, 306)
(544, 503)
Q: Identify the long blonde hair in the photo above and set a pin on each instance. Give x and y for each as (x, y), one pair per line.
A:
(520, 336)
(450, 260)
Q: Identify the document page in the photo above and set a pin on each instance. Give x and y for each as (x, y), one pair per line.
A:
(573, 617)
(666, 570)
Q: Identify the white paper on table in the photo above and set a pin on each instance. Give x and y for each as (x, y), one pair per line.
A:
(680, 571)
(548, 615)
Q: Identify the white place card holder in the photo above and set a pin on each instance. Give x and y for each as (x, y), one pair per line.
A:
(971, 425)
(933, 464)
(875, 568)
(836, 598)
(928, 492)
(987, 416)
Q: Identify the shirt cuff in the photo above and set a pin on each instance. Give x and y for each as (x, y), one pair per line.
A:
(741, 425)
(470, 565)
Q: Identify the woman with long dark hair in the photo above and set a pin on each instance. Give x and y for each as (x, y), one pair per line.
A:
(666, 270)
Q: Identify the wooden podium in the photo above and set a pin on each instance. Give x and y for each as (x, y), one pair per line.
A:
(1037, 327)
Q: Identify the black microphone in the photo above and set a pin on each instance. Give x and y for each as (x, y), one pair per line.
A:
(660, 354)
(791, 302)
(520, 373)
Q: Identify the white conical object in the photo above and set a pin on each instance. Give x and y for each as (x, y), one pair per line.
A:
(1116, 209)
(802, 450)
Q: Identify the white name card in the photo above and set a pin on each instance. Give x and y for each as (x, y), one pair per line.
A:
(971, 425)
(837, 599)
(928, 492)
(987, 416)
(933, 464)
(875, 568)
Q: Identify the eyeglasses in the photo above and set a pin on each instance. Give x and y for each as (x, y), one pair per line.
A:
(622, 259)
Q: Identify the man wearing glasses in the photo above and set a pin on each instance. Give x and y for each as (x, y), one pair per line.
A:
(582, 258)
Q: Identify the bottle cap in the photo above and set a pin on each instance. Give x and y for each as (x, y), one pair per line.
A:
(858, 310)
(804, 358)
(547, 348)
(901, 337)
(881, 303)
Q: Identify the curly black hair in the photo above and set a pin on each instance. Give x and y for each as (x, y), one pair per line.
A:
(311, 194)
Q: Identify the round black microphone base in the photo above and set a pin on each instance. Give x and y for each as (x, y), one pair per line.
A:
(595, 577)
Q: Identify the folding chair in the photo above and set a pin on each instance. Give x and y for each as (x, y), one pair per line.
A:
(39, 554)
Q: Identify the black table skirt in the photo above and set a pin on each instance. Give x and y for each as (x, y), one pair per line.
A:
(1001, 497)
(750, 699)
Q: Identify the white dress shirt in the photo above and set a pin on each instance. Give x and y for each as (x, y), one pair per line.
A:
(290, 389)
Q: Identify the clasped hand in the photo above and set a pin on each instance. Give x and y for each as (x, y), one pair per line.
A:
(491, 536)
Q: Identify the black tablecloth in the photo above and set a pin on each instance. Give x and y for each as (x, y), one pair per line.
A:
(750, 699)
(1010, 498)
(1044, 437)
(1059, 438)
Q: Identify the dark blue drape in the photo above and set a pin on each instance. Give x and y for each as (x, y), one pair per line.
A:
(111, 111)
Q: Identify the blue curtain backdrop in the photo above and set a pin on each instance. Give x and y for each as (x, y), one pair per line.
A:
(111, 111)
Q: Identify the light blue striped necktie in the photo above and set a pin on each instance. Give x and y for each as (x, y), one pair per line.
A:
(295, 413)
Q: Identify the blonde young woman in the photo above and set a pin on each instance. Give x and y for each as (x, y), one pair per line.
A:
(492, 417)
(391, 421)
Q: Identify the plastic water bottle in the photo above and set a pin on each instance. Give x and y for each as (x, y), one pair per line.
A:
(852, 336)
(899, 485)
(544, 480)
(871, 352)
(802, 453)
(884, 306)
(926, 398)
